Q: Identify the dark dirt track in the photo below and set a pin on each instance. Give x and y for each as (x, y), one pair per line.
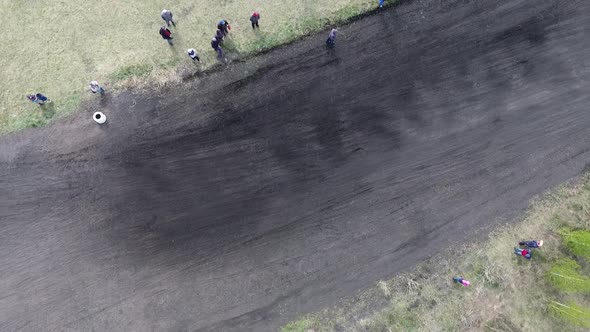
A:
(280, 184)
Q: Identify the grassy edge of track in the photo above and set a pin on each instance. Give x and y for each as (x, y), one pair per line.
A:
(507, 292)
(141, 77)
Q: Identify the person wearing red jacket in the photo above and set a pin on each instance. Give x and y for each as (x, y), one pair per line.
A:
(166, 34)
(526, 253)
(254, 19)
(331, 38)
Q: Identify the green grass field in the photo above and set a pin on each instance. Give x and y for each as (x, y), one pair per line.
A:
(57, 47)
(550, 292)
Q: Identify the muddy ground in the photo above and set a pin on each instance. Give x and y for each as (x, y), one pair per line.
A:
(278, 185)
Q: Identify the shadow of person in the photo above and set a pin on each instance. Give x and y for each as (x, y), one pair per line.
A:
(104, 99)
(48, 110)
(257, 33)
(330, 50)
(175, 52)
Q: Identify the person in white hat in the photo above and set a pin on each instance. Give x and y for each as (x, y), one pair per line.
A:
(193, 54)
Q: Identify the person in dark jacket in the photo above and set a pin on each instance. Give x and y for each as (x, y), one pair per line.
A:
(166, 34)
(531, 244)
(224, 26)
(523, 252)
(331, 41)
(217, 48)
(219, 35)
(38, 99)
(254, 19)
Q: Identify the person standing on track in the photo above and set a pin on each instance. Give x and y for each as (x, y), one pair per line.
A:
(217, 48)
(166, 34)
(254, 19)
(331, 41)
(381, 3)
(224, 26)
(167, 17)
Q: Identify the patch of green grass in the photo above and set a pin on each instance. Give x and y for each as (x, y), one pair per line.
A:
(351, 11)
(302, 325)
(485, 274)
(117, 43)
(565, 275)
(571, 312)
(402, 320)
(398, 319)
(133, 71)
(500, 323)
(67, 104)
(166, 64)
(30, 120)
(264, 41)
(578, 242)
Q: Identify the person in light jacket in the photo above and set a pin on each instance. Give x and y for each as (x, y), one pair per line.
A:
(167, 17)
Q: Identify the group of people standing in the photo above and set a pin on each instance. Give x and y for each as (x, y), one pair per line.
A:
(164, 31)
(223, 29)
